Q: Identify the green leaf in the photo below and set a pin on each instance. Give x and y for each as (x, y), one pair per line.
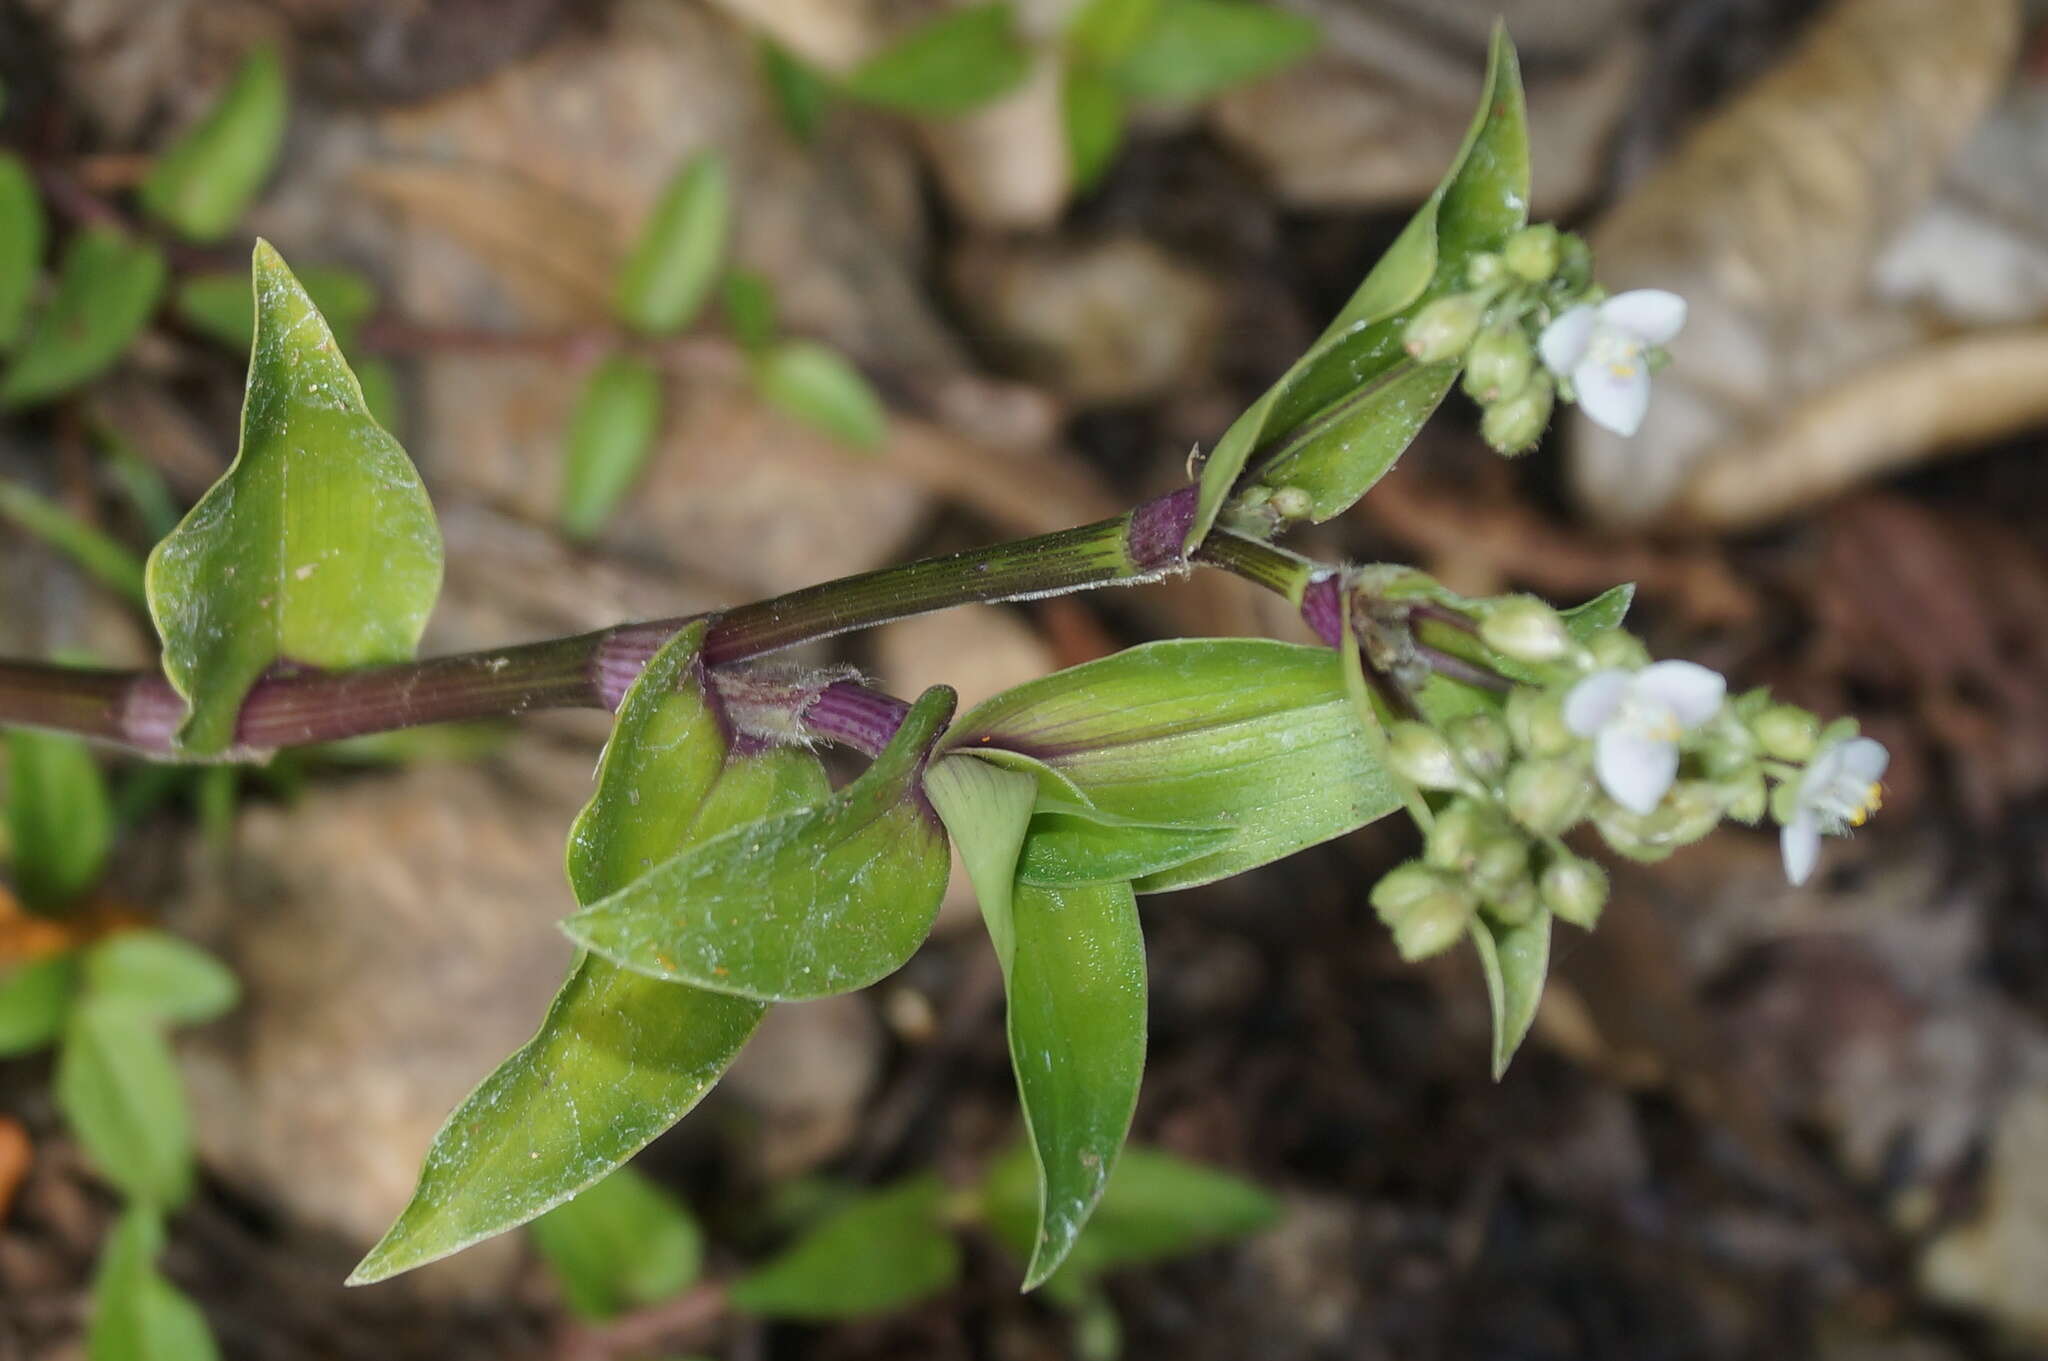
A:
(986, 810)
(623, 1242)
(107, 287)
(118, 1088)
(1076, 986)
(161, 976)
(620, 1057)
(1603, 612)
(611, 435)
(221, 305)
(22, 229)
(1515, 961)
(1093, 112)
(1243, 733)
(1340, 416)
(680, 250)
(1194, 49)
(1071, 845)
(107, 559)
(749, 302)
(201, 186)
(1157, 1207)
(956, 62)
(875, 1254)
(58, 817)
(317, 546)
(815, 384)
(34, 998)
(1105, 31)
(802, 96)
(822, 900)
(137, 1315)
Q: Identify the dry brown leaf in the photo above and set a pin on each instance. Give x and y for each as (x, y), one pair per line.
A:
(16, 1155)
(1769, 220)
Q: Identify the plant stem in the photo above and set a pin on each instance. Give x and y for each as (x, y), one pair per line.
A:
(140, 711)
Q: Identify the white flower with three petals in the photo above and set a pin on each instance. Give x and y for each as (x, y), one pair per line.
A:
(1839, 789)
(1637, 719)
(1603, 348)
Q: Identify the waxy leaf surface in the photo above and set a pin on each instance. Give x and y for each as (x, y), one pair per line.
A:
(620, 1057)
(822, 900)
(316, 547)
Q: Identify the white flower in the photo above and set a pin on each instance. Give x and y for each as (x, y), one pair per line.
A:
(1839, 790)
(1636, 721)
(1604, 349)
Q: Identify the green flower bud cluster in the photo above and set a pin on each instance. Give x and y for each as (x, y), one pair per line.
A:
(1491, 328)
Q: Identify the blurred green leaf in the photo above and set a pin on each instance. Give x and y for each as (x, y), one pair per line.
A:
(318, 544)
(1340, 416)
(815, 384)
(34, 998)
(1244, 733)
(1193, 49)
(118, 1088)
(205, 181)
(620, 1057)
(749, 302)
(1071, 845)
(1156, 1207)
(878, 1253)
(611, 434)
(822, 900)
(1105, 31)
(1515, 960)
(1093, 112)
(137, 1315)
(22, 229)
(109, 561)
(161, 976)
(107, 287)
(139, 483)
(956, 62)
(621, 1243)
(58, 816)
(680, 250)
(802, 96)
(221, 305)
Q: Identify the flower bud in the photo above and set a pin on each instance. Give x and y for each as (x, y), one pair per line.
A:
(1404, 886)
(1744, 796)
(1292, 503)
(1444, 329)
(1548, 794)
(1786, 731)
(1500, 861)
(1433, 925)
(1692, 809)
(1498, 364)
(1514, 903)
(1618, 649)
(1574, 268)
(1535, 720)
(1513, 426)
(1461, 828)
(1575, 889)
(1482, 743)
(1524, 629)
(1486, 269)
(1422, 754)
(1533, 252)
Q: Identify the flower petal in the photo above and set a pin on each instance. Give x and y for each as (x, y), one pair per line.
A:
(1634, 769)
(1594, 701)
(1692, 692)
(1799, 844)
(1864, 759)
(1613, 395)
(1652, 315)
(1563, 343)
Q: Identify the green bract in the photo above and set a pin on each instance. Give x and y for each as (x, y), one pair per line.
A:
(317, 546)
(202, 184)
(1201, 734)
(107, 287)
(821, 900)
(620, 1057)
(1515, 961)
(1341, 415)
